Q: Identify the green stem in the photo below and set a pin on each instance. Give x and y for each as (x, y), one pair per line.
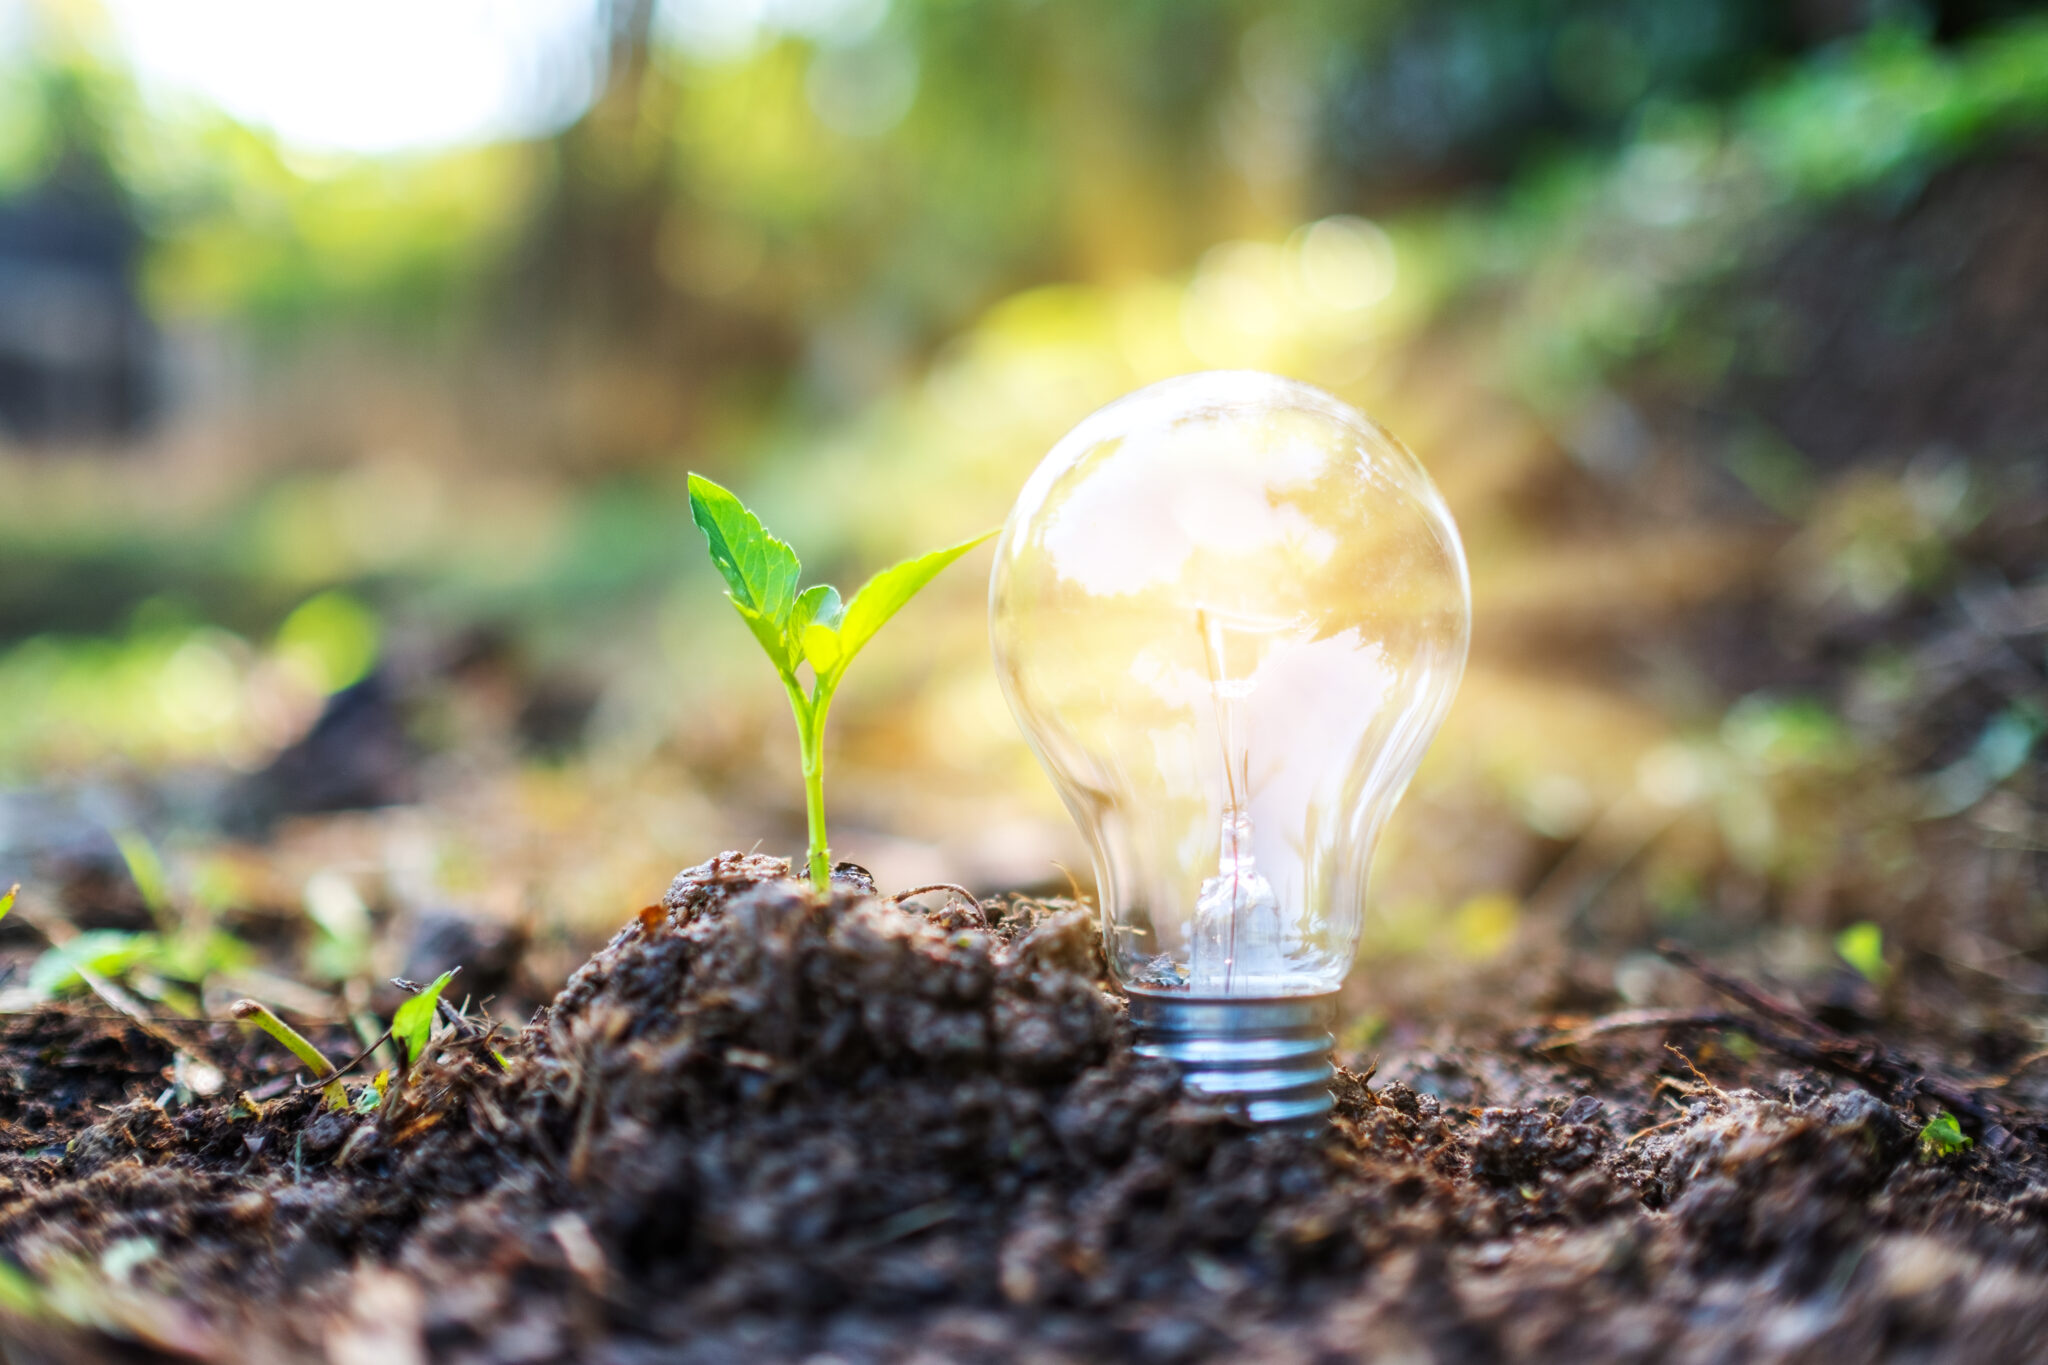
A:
(810, 728)
(257, 1013)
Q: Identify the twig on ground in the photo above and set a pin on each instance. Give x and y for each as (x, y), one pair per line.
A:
(1636, 1136)
(320, 1082)
(1698, 1074)
(1863, 1060)
(948, 887)
(1632, 1021)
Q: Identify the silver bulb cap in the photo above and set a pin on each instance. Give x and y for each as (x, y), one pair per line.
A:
(1268, 1058)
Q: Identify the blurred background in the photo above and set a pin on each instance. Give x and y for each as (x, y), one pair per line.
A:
(352, 358)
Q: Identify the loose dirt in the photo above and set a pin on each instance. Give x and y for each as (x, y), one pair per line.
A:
(764, 1125)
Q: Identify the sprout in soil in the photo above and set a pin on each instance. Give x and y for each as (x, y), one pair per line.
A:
(809, 629)
(257, 1013)
(412, 1025)
(1942, 1138)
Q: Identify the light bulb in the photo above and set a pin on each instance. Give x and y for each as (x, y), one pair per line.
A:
(1229, 613)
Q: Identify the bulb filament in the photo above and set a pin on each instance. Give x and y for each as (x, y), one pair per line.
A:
(1236, 947)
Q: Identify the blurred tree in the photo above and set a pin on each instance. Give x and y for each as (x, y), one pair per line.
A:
(77, 355)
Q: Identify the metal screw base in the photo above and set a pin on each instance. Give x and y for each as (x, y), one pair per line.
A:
(1269, 1056)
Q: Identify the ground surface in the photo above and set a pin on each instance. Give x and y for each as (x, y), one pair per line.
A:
(762, 1126)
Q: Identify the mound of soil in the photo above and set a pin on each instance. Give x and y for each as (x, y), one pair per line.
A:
(765, 1125)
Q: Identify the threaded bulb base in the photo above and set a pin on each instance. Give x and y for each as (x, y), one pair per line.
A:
(1268, 1058)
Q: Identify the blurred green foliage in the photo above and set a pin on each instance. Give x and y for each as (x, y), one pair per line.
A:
(1862, 947)
(881, 260)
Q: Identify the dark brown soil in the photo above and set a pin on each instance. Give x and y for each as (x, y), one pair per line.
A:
(763, 1126)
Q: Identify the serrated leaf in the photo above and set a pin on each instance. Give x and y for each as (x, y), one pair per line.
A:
(760, 571)
(413, 1022)
(822, 648)
(882, 596)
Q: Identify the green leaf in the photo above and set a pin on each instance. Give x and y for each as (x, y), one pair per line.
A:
(823, 648)
(1942, 1137)
(884, 595)
(413, 1023)
(813, 628)
(146, 869)
(7, 901)
(773, 639)
(375, 1093)
(194, 957)
(1862, 947)
(818, 604)
(105, 952)
(760, 571)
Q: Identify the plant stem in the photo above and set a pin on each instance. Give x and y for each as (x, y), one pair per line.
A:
(257, 1013)
(810, 730)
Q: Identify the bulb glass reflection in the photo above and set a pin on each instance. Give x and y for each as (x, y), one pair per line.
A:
(1230, 612)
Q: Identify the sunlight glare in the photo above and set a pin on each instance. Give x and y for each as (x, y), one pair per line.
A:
(374, 76)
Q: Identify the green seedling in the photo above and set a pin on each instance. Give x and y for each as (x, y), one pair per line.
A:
(372, 1095)
(1862, 947)
(413, 1023)
(809, 629)
(1943, 1137)
(257, 1013)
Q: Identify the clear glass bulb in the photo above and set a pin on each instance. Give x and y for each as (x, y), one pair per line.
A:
(1229, 613)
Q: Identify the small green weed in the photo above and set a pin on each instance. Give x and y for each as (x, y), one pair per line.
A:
(413, 1023)
(809, 628)
(1943, 1137)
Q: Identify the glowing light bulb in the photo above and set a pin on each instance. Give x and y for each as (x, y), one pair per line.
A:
(1229, 613)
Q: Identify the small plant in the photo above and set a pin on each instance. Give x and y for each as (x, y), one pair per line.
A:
(1943, 1137)
(413, 1022)
(1861, 945)
(257, 1013)
(811, 628)
(412, 1025)
(169, 964)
